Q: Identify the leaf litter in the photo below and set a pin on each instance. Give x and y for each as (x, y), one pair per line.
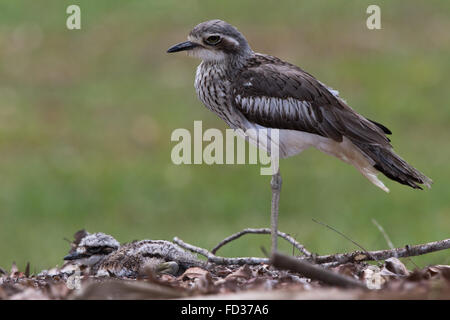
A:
(390, 279)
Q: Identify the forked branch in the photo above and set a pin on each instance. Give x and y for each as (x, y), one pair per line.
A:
(406, 251)
(283, 235)
(217, 259)
(325, 260)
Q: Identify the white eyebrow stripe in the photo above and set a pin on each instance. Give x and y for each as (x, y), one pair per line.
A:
(229, 39)
(232, 40)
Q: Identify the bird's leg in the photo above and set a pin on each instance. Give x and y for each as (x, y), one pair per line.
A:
(275, 184)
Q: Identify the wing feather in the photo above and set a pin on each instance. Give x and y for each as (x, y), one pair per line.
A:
(277, 94)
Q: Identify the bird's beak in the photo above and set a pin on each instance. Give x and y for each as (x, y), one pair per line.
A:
(74, 256)
(188, 45)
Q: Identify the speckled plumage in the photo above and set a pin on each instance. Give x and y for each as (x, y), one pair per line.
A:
(105, 256)
(132, 258)
(249, 90)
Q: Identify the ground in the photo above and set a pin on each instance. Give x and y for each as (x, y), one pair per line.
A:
(388, 280)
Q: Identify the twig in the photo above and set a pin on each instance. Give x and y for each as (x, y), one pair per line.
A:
(388, 240)
(343, 235)
(217, 259)
(407, 251)
(27, 270)
(314, 272)
(328, 260)
(283, 235)
(386, 237)
(192, 248)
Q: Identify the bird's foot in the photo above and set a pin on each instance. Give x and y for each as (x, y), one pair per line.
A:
(170, 267)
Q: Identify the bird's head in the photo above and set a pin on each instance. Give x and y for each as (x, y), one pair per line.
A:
(214, 40)
(92, 248)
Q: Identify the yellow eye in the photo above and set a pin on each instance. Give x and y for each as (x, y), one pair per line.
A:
(213, 40)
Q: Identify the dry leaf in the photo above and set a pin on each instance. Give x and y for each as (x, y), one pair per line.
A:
(192, 273)
(397, 267)
(373, 277)
(243, 272)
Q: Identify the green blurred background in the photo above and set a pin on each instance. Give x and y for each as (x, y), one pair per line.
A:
(86, 118)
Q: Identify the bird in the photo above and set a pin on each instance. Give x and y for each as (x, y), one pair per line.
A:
(106, 257)
(250, 90)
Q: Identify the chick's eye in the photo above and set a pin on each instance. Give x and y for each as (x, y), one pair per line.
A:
(94, 249)
(108, 250)
(213, 40)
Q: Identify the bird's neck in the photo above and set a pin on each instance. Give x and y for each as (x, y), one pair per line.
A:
(232, 64)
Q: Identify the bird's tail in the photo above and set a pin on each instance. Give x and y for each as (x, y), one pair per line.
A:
(393, 166)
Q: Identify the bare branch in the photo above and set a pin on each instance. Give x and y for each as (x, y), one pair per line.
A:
(389, 242)
(238, 261)
(328, 260)
(407, 251)
(217, 259)
(283, 235)
(343, 235)
(314, 272)
(192, 248)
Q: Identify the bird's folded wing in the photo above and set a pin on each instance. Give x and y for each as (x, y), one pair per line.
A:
(276, 94)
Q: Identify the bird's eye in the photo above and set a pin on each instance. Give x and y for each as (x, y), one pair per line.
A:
(107, 250)
(213, 40)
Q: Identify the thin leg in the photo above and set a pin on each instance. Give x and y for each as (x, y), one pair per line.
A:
(275, 184)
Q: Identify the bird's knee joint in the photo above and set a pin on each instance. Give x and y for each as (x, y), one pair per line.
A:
(276, 182)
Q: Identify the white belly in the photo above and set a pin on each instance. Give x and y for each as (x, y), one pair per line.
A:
(292, 142)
